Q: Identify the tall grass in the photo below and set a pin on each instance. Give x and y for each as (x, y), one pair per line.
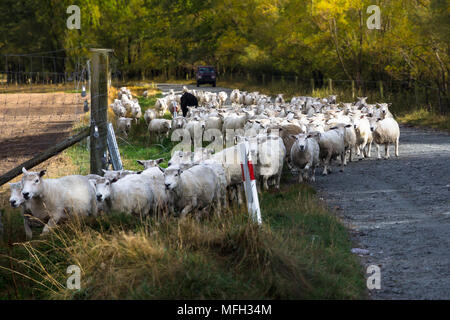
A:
(300, 252)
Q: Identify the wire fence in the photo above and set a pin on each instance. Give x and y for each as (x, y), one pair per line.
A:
(41, 99)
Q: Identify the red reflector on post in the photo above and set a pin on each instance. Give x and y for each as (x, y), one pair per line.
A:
(250, 170)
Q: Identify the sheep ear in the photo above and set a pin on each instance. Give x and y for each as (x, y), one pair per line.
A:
(42, 172)
(293, 136)
(332, 128)
(379, 119)
(93, 182)
(361, 117)
(162, 170)
(114, 179)
(24, 170)
(309, 136)
(159, 160)
(140, 162)
(348, 126)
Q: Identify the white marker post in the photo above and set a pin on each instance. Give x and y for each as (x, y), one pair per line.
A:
(248, 175)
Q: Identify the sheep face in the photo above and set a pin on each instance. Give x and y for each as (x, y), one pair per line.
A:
(172, 176)
(16, 198)
(150, 163)
(32, 183)
(178, 123)
(384, 108)
(103, 188)
(301, 141)
(374, 123)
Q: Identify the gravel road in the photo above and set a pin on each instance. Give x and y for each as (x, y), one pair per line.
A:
(398, 210)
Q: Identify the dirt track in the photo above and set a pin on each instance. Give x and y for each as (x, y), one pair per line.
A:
(32, 122)
(399, 210)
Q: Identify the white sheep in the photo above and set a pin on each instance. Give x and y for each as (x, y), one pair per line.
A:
(159, 127)
(385, 131)
(196, 188)
(32, 210)
(118, 109)
(62, 197)
(305, 155)
(222, 97)
(112, 174)
(363, 136)
(149, 115)
(131, 194)
(124, 125)
(331, 145)
(161, 106)
(153, 172)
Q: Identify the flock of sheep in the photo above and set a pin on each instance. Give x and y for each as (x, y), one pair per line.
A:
(303, 134)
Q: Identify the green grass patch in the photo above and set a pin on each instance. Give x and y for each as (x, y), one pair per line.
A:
(426, 118)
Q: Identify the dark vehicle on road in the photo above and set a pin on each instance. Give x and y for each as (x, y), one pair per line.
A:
(206, 74)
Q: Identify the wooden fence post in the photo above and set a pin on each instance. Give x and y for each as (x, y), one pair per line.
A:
(99, 108)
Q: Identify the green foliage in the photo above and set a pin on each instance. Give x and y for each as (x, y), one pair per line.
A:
(168, 38)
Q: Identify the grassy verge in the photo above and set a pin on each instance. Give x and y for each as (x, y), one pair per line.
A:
(425, 118)
(301, 251)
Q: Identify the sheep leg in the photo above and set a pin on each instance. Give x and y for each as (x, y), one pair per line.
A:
(364, 151)
(300, 176)
(386, 151)
(396, 147)
(187, 209)
(278, 177)
(26, 225)
(369, 149)
(326, 164)
(265, 179)
(52, 222)
(378, 152)
(313, 174)
(342, 161)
